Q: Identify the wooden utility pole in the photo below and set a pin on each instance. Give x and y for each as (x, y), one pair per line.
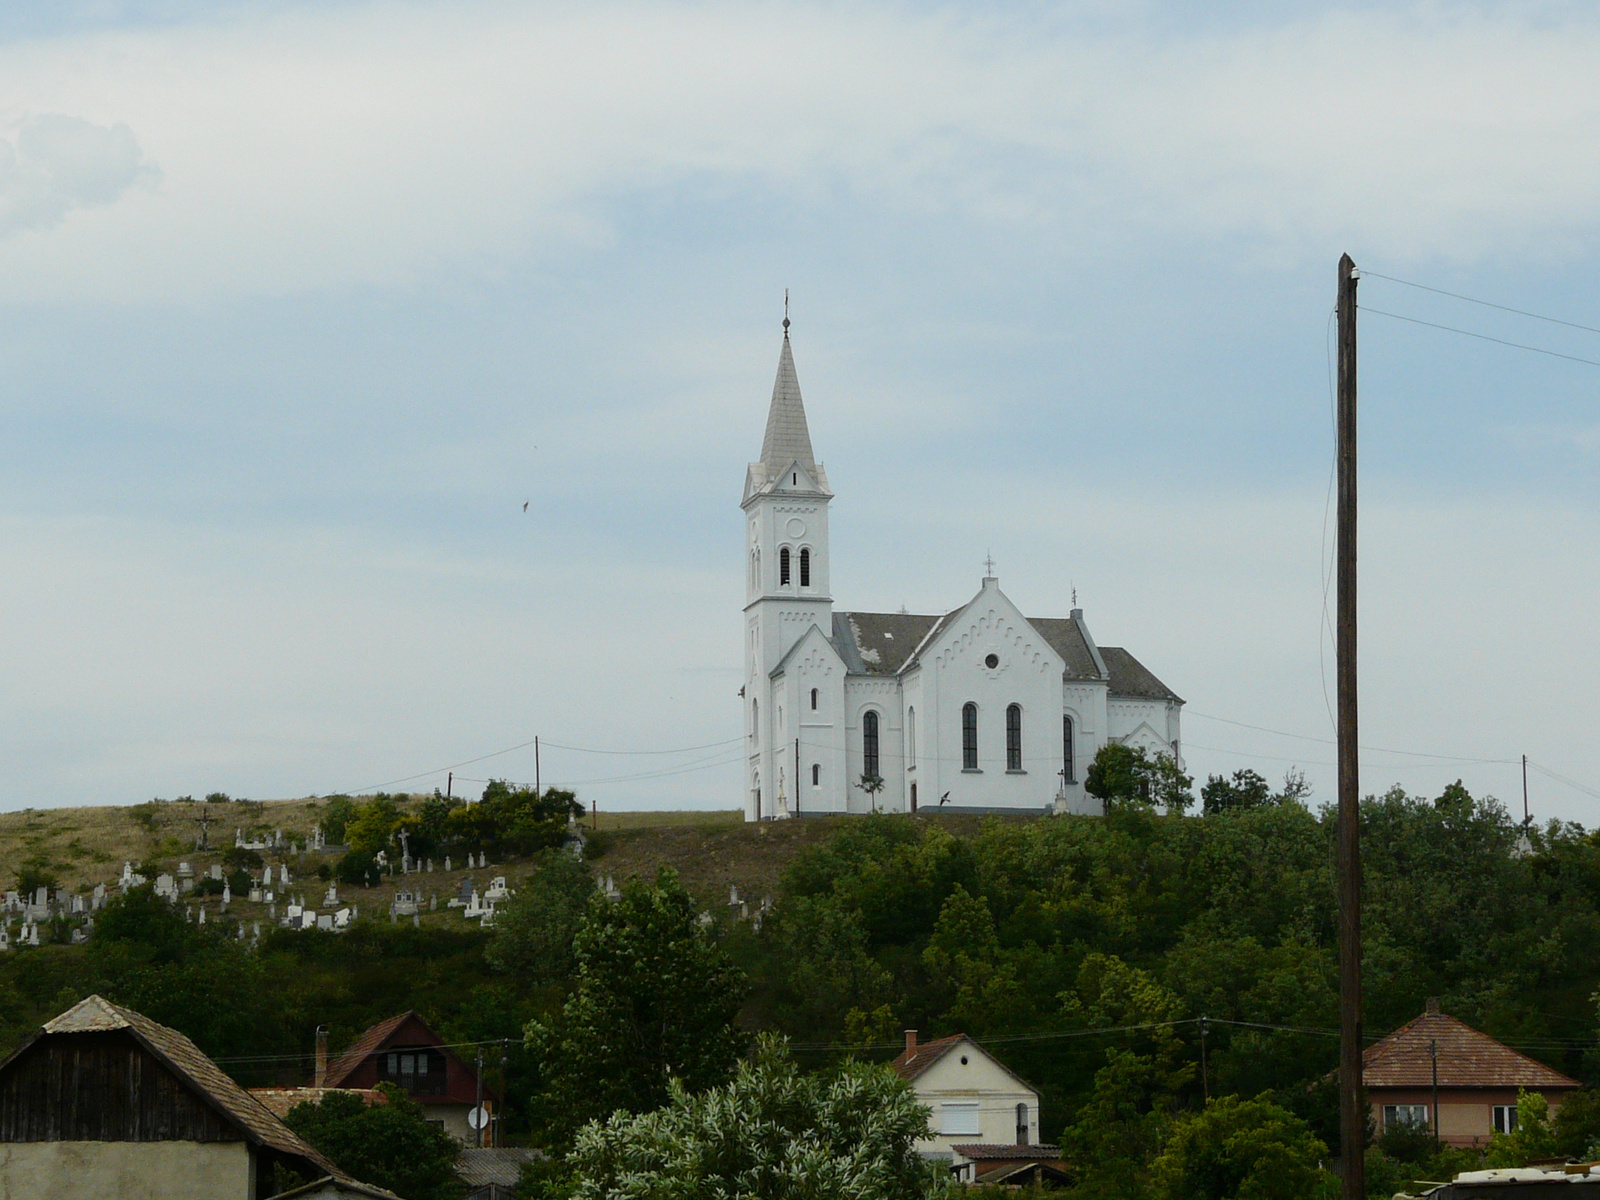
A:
(1524, 793)
(1352, 1117)
(537, 791)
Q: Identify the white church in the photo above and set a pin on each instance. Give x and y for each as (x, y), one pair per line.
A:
(981, 710)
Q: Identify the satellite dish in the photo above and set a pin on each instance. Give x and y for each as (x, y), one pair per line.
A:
(478, 1118)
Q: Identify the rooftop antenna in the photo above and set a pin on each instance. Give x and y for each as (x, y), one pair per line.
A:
(785, 312)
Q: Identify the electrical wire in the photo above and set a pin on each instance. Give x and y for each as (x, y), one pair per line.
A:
(1483, 337)
(523, 746)
(1365, 274)
(1330, 742)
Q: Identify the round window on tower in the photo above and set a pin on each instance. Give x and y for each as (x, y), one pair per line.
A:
(992, 661)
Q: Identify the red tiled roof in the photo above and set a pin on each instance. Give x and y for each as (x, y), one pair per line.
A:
(279, 1100)
(980, 1152)
(363, 1047)
(913, 1063)
(1467, 1059)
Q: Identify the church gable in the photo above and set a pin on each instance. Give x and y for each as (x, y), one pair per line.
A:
(991, 634)
(812, 654)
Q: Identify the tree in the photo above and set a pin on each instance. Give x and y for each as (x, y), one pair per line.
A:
(1577, 1124)
(1241, 1150)
(1129, 775)
(391, 1144)
(1245, 790)
(769, 1133)
(512, 820)
(534, 933)
(337, 813)
(654, 1001)
(1532, 1138)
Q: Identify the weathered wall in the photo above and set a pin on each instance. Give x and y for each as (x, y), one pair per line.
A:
(126, 1170)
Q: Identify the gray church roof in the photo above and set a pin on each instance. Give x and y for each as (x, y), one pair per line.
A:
(788, 438)
(882, 643)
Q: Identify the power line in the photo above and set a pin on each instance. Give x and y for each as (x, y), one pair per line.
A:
(1483, 337)
(1571, 783)
(523, 746)
(1474, 300)
(1329, 741)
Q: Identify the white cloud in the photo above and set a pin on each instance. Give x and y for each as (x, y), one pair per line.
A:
(333, 147)
(58, 163)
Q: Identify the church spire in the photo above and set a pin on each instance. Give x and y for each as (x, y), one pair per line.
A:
(788, 437)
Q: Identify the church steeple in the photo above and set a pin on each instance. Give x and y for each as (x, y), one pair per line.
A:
(788, 439)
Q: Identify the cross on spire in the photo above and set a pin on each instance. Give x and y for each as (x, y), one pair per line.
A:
(786, 312)
(988, 565)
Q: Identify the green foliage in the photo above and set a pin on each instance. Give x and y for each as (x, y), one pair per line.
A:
(35, 873)
(216, 797)
(653, 1002)
(391, 1144)
(1122, 775)
(357, 867)
(769, 1133)
(1245, 790)
(1244, 1149)
(534, 932)
(1532, 1138)
(511, 820)
(374, 824)
(241, 859)
(146, 815)
(337, 813)
(1577, 1124)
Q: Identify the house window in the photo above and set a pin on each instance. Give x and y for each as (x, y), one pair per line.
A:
(805, 566)
(1504, 1117)
(1022, 1124)
(783, 565)
(419, 1071)
(1069, 770)
(816, 774)
(959, 1117)
(869, 744)
(969, 736)
(1014, 737)
(1405, 1116)
(813, 699)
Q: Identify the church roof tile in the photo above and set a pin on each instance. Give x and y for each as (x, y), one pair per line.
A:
(788, 439)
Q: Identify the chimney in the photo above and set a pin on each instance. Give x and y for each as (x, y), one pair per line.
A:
(320, 1078)
(911, 1042)
(1433, 1006)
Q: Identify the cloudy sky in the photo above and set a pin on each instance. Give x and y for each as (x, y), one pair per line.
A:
(300, 303)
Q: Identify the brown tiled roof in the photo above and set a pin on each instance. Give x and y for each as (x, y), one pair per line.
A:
(480, 1166)
(913, 1063)
(367, 1044)
(1467, 1059)
(982, 1151)
(279, 1100)
(340, 1187)
(189, 1063)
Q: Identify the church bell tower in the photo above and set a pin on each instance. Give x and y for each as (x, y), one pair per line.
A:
(786, 577)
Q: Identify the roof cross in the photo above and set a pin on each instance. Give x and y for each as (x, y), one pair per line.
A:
(988, 565)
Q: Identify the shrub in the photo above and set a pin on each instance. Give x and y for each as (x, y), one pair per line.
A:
(216, 797)
(239, 857)
(358, 867)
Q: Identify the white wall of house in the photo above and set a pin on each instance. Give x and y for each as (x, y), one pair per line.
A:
(99, 1170)
(973, 1099)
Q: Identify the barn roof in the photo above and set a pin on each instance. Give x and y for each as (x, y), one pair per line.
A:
(1467, 1058)
(187, 1061)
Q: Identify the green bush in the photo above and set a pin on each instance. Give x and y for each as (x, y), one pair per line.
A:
(358, 867)
(216, 797)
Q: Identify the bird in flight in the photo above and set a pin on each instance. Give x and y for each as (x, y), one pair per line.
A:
(525, 504)
(943, 798)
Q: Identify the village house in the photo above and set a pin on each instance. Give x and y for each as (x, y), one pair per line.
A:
(1442, 1075)
(104, 1102)
(405, 1051)
(1010, 1166)
(978, 1103)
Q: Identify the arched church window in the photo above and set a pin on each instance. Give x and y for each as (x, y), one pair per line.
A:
(813, 699)
(805, 566)
(869, 743)
(816, 774)
(911, 738)
(783, 565)
(755, 719)
(969, 736)
(1014, 737)
(1068, 765)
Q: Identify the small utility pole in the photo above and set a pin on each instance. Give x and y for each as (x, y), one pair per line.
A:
(1352, 1120)
(1524, 793)
(797, 777)
(477, 1113)
(1433, 1059)
(536, 789)
(449, 785)
(1205, 1080)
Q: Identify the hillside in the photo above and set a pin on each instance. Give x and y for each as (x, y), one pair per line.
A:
(713, 851)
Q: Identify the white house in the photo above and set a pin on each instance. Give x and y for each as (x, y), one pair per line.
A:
(981, 709)
(975, 1098)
